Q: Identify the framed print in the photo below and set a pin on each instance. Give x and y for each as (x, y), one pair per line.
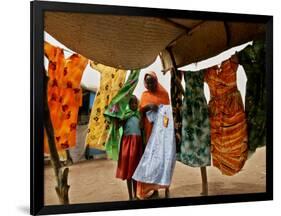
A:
(142, 108)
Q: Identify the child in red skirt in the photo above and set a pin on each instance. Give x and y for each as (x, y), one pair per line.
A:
(131, 147)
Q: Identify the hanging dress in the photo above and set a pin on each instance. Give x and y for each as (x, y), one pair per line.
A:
(196, 142)
(252, 58)
(177, 92)
(116, 111)
(64, 94)
(111, 81)
(227, 118)
(158, 161)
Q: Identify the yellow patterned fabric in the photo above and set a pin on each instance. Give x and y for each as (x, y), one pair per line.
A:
(111, 81)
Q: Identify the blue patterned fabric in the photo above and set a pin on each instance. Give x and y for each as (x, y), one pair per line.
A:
(157, 163)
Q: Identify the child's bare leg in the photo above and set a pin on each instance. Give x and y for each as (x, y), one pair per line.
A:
(167, 193)
(129, 186)
(204, 181)
(134, 184)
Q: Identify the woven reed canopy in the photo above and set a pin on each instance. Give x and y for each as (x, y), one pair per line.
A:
(130, 42)
(209, 38)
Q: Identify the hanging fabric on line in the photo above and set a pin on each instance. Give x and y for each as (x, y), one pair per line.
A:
(177, 92)
(111, 81)
(252, 58)
(196, 141)
(117, 111)
(227, 117)
(64, 94)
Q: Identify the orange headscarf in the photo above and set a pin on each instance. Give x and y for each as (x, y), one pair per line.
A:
(159, 96)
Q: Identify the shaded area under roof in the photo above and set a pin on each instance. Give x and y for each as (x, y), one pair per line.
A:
(130, 42)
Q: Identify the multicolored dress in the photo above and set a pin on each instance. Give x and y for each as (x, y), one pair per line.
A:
(64, 94)
(118, 110)
(111, 81)
(196, 142)
(252, 58)
(227, 117)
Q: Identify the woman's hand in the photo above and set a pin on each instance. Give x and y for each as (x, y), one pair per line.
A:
(153, 107)
(149, 107)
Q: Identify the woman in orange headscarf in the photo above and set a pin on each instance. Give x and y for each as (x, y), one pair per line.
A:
(150, 100)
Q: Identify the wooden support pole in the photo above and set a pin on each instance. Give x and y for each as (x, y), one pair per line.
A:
(61, 173)
(174, 64)
(204, 181)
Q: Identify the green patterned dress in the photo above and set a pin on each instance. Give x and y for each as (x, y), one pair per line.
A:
(252, 58)
(177, 92)
(117, 110)
(196, 142)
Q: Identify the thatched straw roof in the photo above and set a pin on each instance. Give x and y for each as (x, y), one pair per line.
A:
(130, 42)
(208, 39)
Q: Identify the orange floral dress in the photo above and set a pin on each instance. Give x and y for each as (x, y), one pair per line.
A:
(64, 94)
(227, 117)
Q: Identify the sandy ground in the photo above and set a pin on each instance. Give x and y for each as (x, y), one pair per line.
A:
(94, 181)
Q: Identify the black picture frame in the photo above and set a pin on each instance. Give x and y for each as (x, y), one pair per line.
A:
(37, 9)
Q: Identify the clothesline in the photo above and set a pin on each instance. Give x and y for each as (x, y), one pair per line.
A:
(179, 69)
(72, 52)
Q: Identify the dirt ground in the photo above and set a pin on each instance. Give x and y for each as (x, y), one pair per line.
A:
(94, 181)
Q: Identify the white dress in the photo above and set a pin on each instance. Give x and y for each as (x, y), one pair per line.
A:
(158, 161)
